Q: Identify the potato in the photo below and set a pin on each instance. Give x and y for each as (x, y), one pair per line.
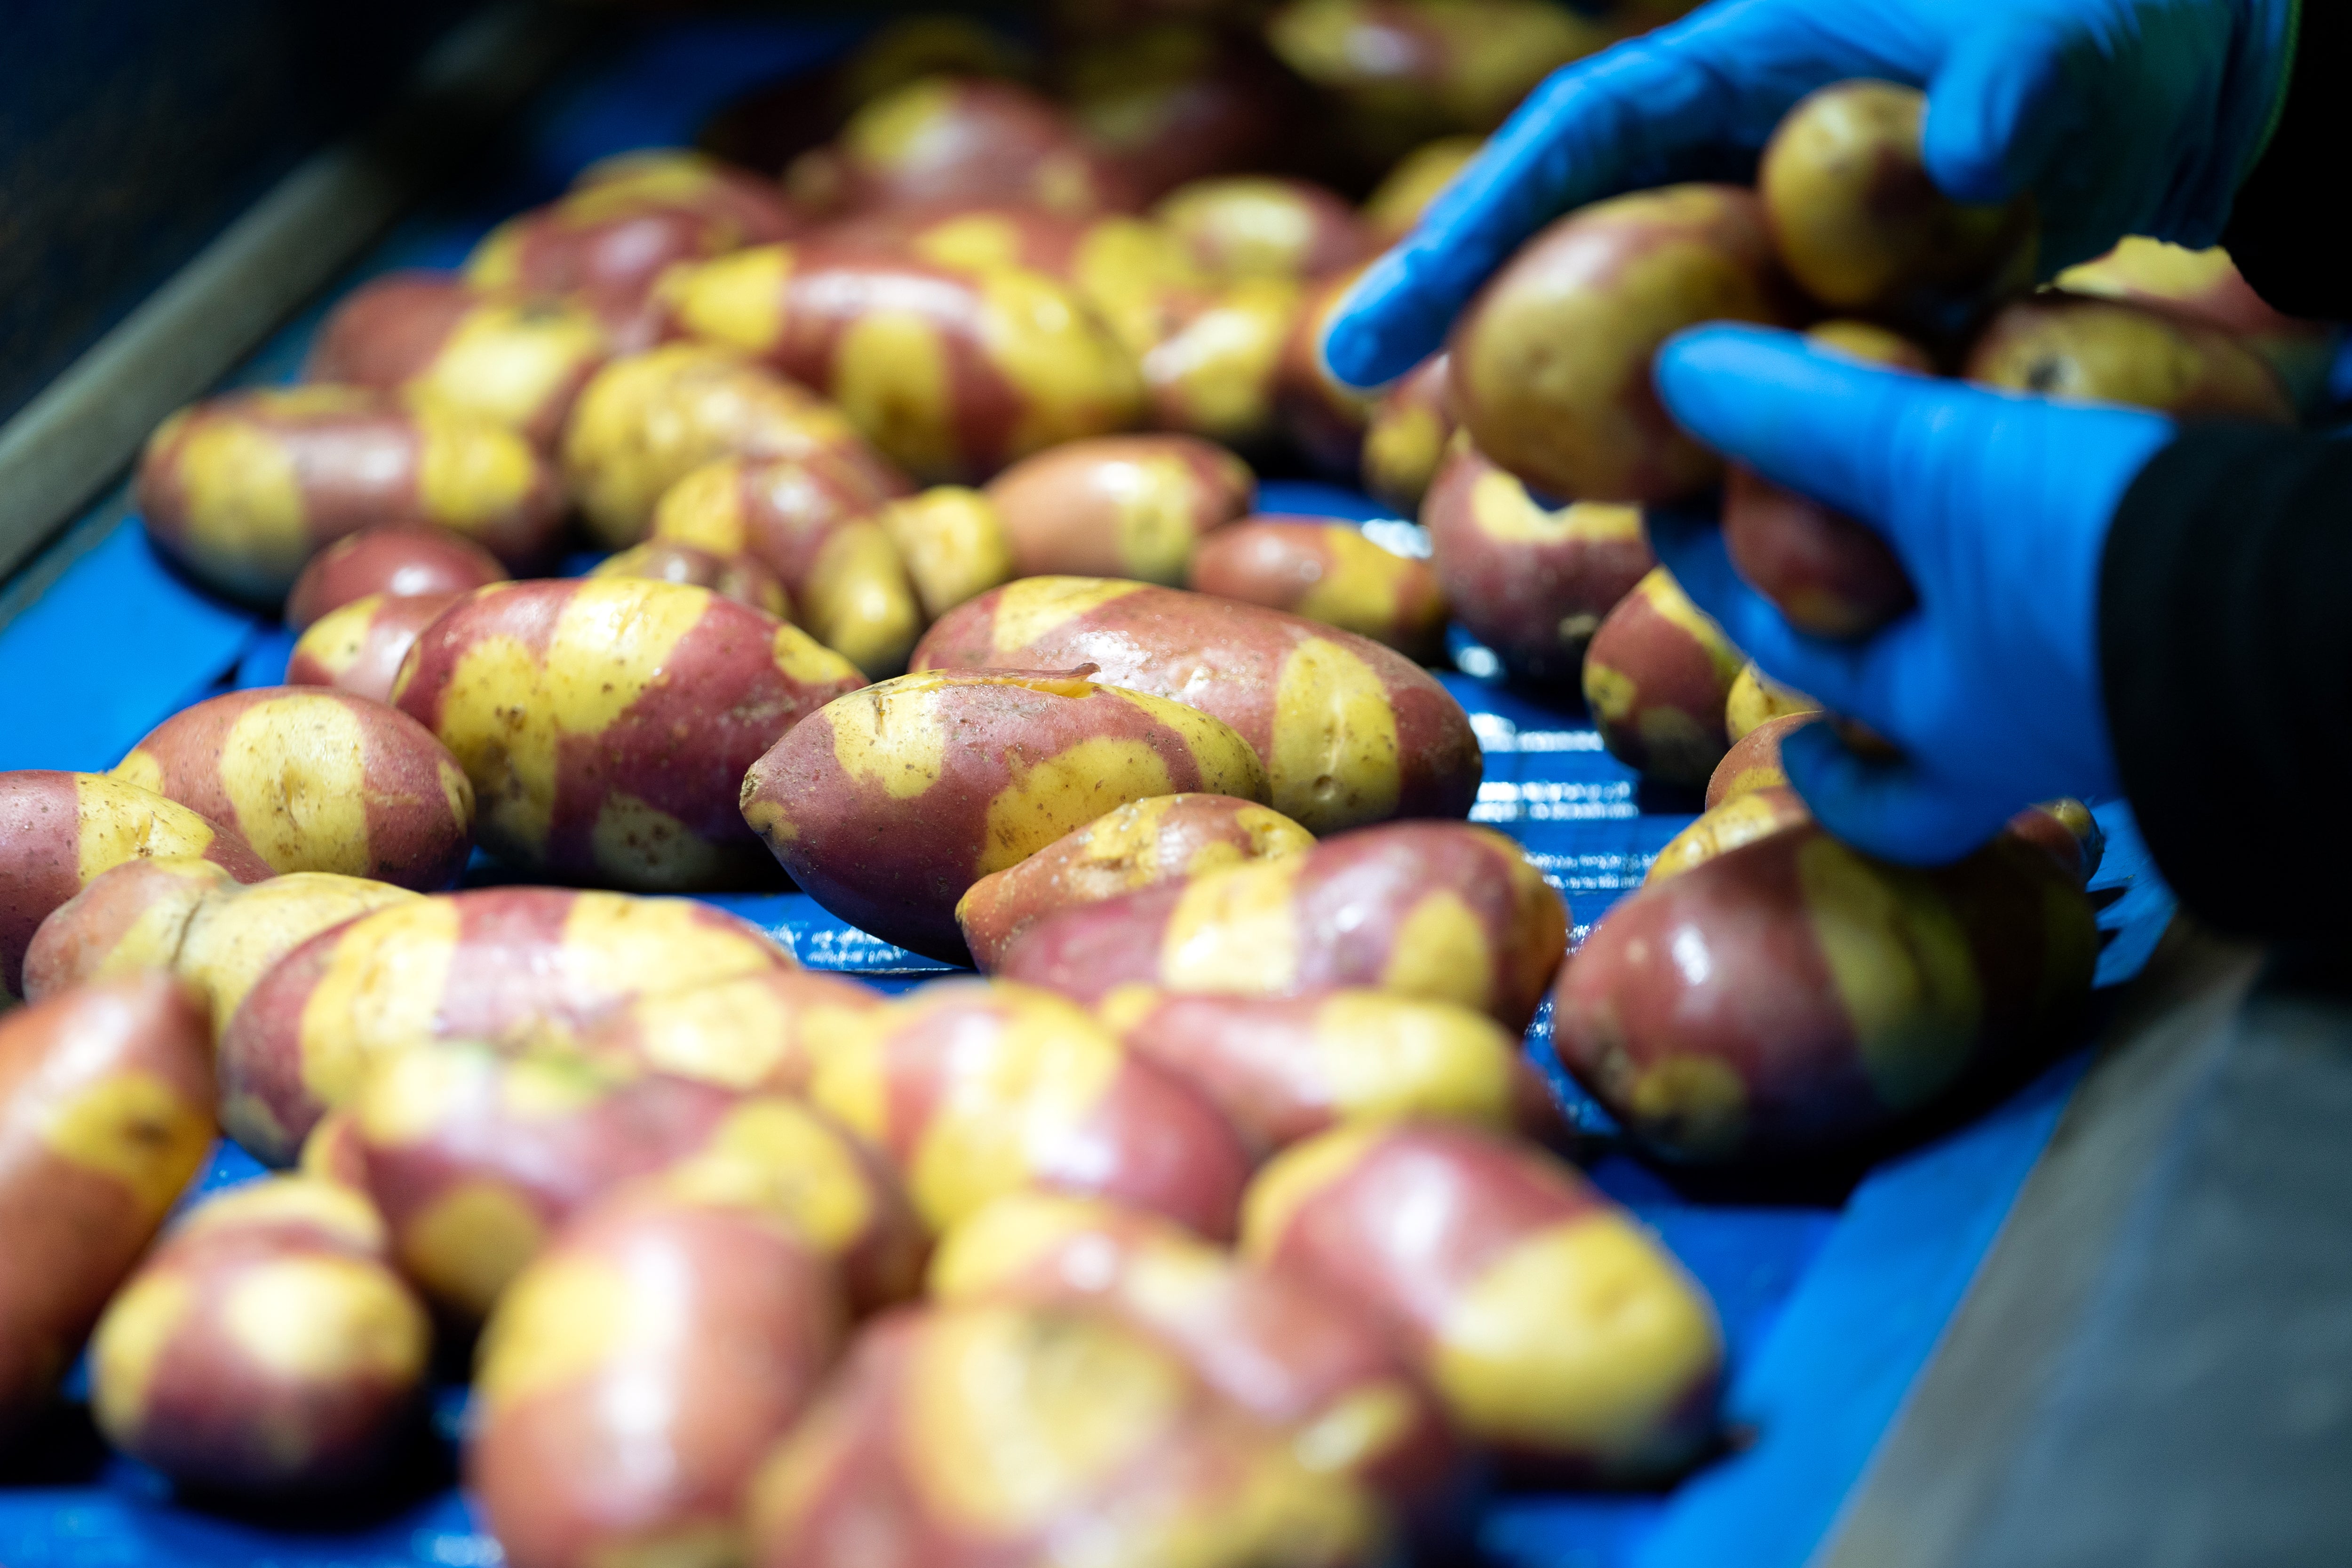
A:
(1757, 812)
(398, 559)
(513, 966)
(1425, 69)
(316, 781)
(950, 371)
(995, 1433)
(1753, 762)
(606, 723)
(632, 1379)
(1214, 366)
(1169, 101)
(945, 139)
(58, 832)
(1657, 676)
(741, 578)
(1530, 581)
(266, 1349)
(1161, 838)
(244, 489)
(952, 543)
(649, 419)
(886, 806)
(1284, 1068)
(976, 1090)
(1411, 427)
(332, 1154)
(1861, 227)
(1554, 1327)
(1273, 1344)
(1321, 416)
(1264, 225)
(106, 1112)
(1326, 572)
(2064, 830)
(1552, 361)
(2103, 350)
(2206, 285)
(1441, 911)
(1394, 208)
(1119, 506)
(1350, 732)
(1757, 699)
(1792, 996)
(441, 343)
(748, 1032)
(359, 647)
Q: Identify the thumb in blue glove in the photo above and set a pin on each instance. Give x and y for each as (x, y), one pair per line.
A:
(1998, 507)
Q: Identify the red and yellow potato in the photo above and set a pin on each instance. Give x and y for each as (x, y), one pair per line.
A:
(977, 1090)
(397, 560)
(743, 578)
(952, 543)
(1321, 416)
(1326, 572)
(1441, 911)
(1264, 225)
(316, 781)
(1793, 995)
(1411, 427)
(751, 1032)
(1350, 732)
(1753, 762)
(1756, 699)
(889, 804)
(949, 139)
(1657, 676)
(1214, 366)
(1167, 101)
(1757, 811)
(631, 1381)
(106, 1113)
(1553, 1326)
(1394, 208)
(244, 489)
(267, 1349)
(359, 647)
(1119, 506)
(607, 724)
(2105, 351)
(2206, 285)
(1163, 838)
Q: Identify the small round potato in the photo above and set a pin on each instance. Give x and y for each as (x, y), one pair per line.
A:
(1328, 571)
(404, 561)
(1658, 677)
(1411, 427)
(1264, 225)
(1119, 506)
(741, 578)
(359, 647)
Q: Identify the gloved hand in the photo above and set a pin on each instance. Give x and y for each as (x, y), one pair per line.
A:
(1998, 506)
(2122, 116)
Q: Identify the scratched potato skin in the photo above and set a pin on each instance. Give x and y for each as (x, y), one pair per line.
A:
(1792, 995)
(1658, 677)
(316, 781)
(1555, 1328)
(1119, 506)
(1161, 838)
(1328, 571)
(889, 804)
(398, 559)
(1441, 911)
(606, 723)
(1350, 732)
(756, 1032)
(1411, 429)
(267, 1349)
(241, 489)
(1244, 225)
(694, 1336)
(741, 578)
(106, 1113)
(513, 966)
(59, 831)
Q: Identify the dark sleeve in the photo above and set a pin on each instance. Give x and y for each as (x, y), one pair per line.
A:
(2283, 232)
(2225, 651)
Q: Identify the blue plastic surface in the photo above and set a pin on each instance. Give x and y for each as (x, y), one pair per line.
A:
(1831, 1302)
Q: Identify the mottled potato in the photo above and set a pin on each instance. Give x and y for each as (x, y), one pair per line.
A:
(1530, 581)
(1393, 209)
(1792, 995)
(106, 1112)
(1756, 812)
(1753, 761)
(634, 1376)
(2207, 285)
(1349, 731)
(607, 724)
(949, 139)
(1552, 1324)
(1214, 366)
(2104, 351)
(359, 649)
(1119, 506)
(1264, 225)
(403, 561)
(244, 489)
(1437, 911)
(1163, 838)
(743, 578)
(1658, 677)
(316, 781)
(887, 804)
(58, 832)
(1411, 429)
(267, 1349)
(1552, 361)
(976, 1090)
(751, 1032)
(1757, 699)
(1326, 572)
(953, 542)
(1410, 71)
(510, 966)
(1323, 417)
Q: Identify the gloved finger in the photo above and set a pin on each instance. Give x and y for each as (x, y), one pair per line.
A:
(1998, 111)
(1884, 806)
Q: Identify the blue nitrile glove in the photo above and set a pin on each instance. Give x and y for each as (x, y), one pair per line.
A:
(1998, 506)
(2122, 116)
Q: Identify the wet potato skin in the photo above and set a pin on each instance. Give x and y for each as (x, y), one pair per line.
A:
(1658, 677)
(397, 560)
(1119, 506)
(1328, 571)
(359, 647)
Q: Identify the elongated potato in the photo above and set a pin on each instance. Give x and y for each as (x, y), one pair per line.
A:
(106, 1112)
(59, 832)
(1264, 225)
(1792, 995)
(1658, 677)
(1163, 838)
(977, 1090)
(244, 489)
(991, 1433)
(1349, 731)
(1756, 699)
(2106, 351)
(1273, 1344)
(951, 139)
(750, 1032)
(1328, 571)
(267, 1349)
(316, 781)
(1750, 814)
(607, 724)
(1119, 506)
(1393, 209)
(691, 1336)
(1411, 429)
(1437, 910)
(514, 966)
(400, 560)
(359, 647)
(743, 578)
